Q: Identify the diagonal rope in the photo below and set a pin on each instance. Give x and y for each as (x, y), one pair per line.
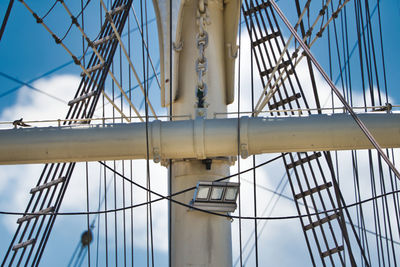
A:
(95, 50)
(170, 198)
(76, 60)
(126, 54)
(281, 79)
(145, 44)
(281, 58)
(336, 91)
(12, 90)
(29, 87)
(3, 25)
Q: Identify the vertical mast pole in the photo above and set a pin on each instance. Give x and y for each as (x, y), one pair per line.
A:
(197, 238)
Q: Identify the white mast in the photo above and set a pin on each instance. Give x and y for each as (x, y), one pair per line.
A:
(198, 239)
(203, 57)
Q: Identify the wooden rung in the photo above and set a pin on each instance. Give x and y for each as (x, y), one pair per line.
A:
(257, 8)
(37, 214)
(116, 10)
(284, 101)
(81, 98)
(304, 160)
(104, 39)
(322, 221)
(266, 38)
(47, 185)
(313, 190)
(23, 244)
(332, 251)
(93, 69)
(282, 65)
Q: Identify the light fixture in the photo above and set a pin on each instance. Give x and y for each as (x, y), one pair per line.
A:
(215, 196)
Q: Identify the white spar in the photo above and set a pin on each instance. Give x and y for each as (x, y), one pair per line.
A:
(196, 139)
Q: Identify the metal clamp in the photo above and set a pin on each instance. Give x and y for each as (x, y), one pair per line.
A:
(198, 137)
(156, 140)
(243, 138)
(232, 50)
(201, 112)
(177, 46)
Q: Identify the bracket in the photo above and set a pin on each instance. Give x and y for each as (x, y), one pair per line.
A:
(156, 140)
(243, 138)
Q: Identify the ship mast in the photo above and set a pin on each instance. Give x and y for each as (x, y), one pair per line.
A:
(203, 36)
(197, 53)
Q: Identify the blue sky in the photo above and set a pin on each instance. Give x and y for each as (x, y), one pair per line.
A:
(27, 52)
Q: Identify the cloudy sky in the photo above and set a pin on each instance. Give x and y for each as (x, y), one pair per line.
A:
(28, 55)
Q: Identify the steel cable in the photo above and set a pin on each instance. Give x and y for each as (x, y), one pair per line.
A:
(170, 198)
(5, 19)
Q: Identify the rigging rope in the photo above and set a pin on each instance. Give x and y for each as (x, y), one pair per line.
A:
(5, 19)
(29, 87)
(170, 198)
(149, 215)
(335, 90)
(69, 63)
(255, 217)
(281, 79)
(146, 45)
(170, 119)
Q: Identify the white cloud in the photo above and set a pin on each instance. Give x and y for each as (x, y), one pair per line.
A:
(33, 105)
(17, 180)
